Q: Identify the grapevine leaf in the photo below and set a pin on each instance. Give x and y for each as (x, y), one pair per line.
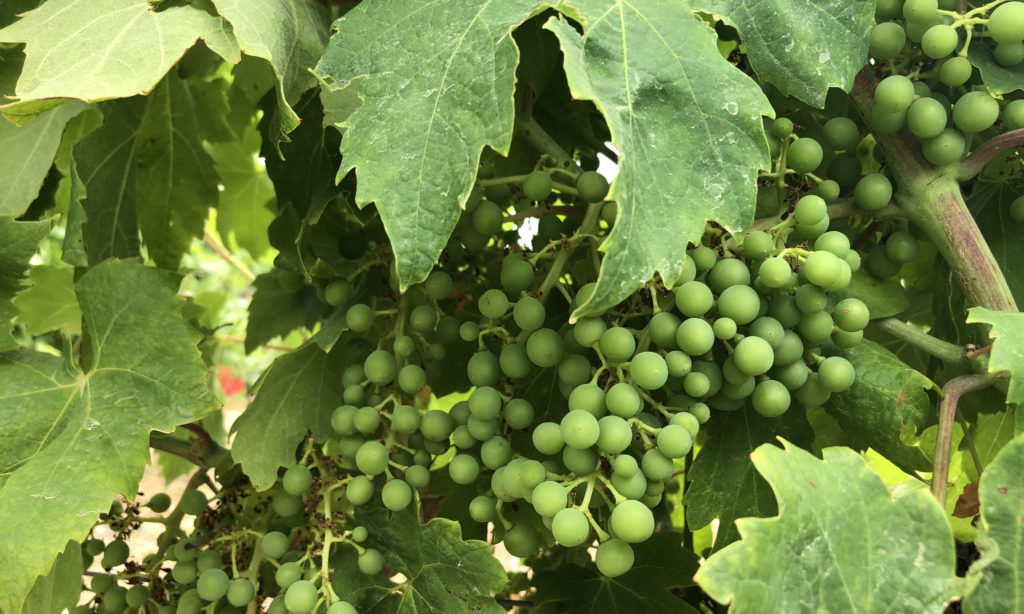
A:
(50, 303)
(443, 572)
(278, 311)
(60, 589)
(989, 203)
(884, 298)
(1001, 491)
(991, 433)
(1007, 336)
(291, 35)
(26, 154)
(849, 545)
(723, 483)
(997, 78)
(78, 435)
(674, 103)
(100, 49)
(805, 47)
(885, 407)
(432, 103)
(297, 393)
(661, 564)
(243, 212)
(18, 241)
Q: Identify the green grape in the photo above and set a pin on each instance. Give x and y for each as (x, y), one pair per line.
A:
(185, 550)
(485, 403)
(547, 438)
(822, 268)
(770, 398)
(1013, 114)
(417, 476)
(609, 213)
(656, 466)
(769, 329)
(528, 314)
(570, 527)
(208, 560)
(901, 247)
(184, 572)
(342, 419)
(579, 429)
(481, 509)
(758, 244)
(574, 370)
(481, 430)
(522, 540)
(353, 394)
(516, 274)
(531, 473)
(469, 331)
(1006, 23)
(117, 551)
(939, 41)
(728, 272)
(678, 363)
(836, 374)
(372, 458)
(101, 583)
(804, 155)
(926, 118)
(297, 480)
(694, 299)
(380, 367)
(277, 606)
(946, 148)
(136, 596)
(894, 94)
(648, 370)
(632, 522)
(212, 584)
(686, 420)
(812, 393)
(696, 384)
(1009, 54)
(955, 71)
(617, 344)
(625, 466)
(193, 503)
(886, 121)
(791, 375)
(873, 192)
(975, 111)
(695, 336)
(403, 346)
(879, 264)
(781, 127)
(115, 599)
(851, 315)
(701, 411)
(286, 505)
(493, 303)
(725, 328)
(159, 503)
(774, 272)
(518, 413)
(703, 258)
(463, 469)
(815, 327)
(366, 420)
(370, 562)
(359, 534)
(810, 299)
(580, 462)
(739, 303)
(674, 441)
(841, 134)
(486, 218)
(438, 285)
(614, 558)
(753, 355)
(623, 400)
(588, 331)
(592, 186)
(662, 329)
(828, 190)
(537, 185)
(412, 379)
(404, 419)
(341, 607)
(514, 361)
(589, 398)
(920, 10)
(1017, 209)
(844, 169)
(810, 210)
(437, 425)
(495, 452)
(397, 494)
(887, 40)
(615, 435)
(359, 317)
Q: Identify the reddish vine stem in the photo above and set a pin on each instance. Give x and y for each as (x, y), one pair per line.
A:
(987, 151)
(951, 393)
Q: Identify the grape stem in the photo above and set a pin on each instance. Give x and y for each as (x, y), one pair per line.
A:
(987, 151)
(943, 350)
(558, 264)
(951, 393)
(218, 248)
(529, 129)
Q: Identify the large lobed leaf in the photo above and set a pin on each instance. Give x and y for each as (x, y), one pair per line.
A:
(77, 435)
(50, 302)
(1007, 335)
(687, 125)
(18, 242)
(841, 543)
(802, 47)
(436, 78)
(1001, 492)
(100, 49)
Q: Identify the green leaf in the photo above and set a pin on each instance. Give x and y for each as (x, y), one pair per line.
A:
(298, 392)
(276, 311)
(430, 105)
(18, 241)
(991, 433)
(805, 47)
(723, 483)
(443, 573)
(1001, 492)
(847, 544)
(61, 588)
(50, 302)
(686, 98)
(661, 564)
(77, 49)
(243, 213)
(884, 298)
(1007, 336)
(886, 406)
(79, 435)
(291, 35)
(989, 203)
(26, 154)
(998, 78)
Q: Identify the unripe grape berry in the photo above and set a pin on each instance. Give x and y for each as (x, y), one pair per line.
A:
(753, 355)
(695, 336)
(372, 458)
(547, 438)
(939, 41)
(1006, 23)
(545, 347)
(901, 247)
(809, 210)
(493, 303)
(887, 40)
(359, 490)
(397, 494)
(804, 155)
(159, 503)
(579, 429)
(481, 509)
(781, 127)
(549, 498)
(1013, 114)
(821, 268)
(486, 218)
(674, 441)
(770, 398)
(338, 292)
(944, 149)
(193, 502)
(836, 374)
(894, 94)
(1009, 54)
(632, 521)
(570, 527)
(758, 244)
(370, 562)
(614, 558)
(296, 480)
(537, 185)
(359, 317)
(516, 274)
(1017, 209)
(920, 10)
(341, 607)
(694, 299)
(926, 118)
(841, 133)
(617, 344)
(739, 303)
(522, 540)
(955, 71)
(975, 111)
(774, 272)
(117, 551)
(592, 186)
(851, 315)
(648, 370)
(213, 584)
(438, 285)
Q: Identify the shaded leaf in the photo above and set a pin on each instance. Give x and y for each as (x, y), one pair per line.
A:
(433, 102)
(61, 588)
(243, 212)
(661, 564)
(298, 392)
(989, 203)
(18, 241)
(276, 311)
(26, 154)
(723, 483)
(77, 49)
(998, 78)
(1007, 334)
(804, 47)
(886, 406)
(848, 545)
(884, 298)
(1001, 491)
(991, 432)
(78, 435)
(685, 97)
(50, 302)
